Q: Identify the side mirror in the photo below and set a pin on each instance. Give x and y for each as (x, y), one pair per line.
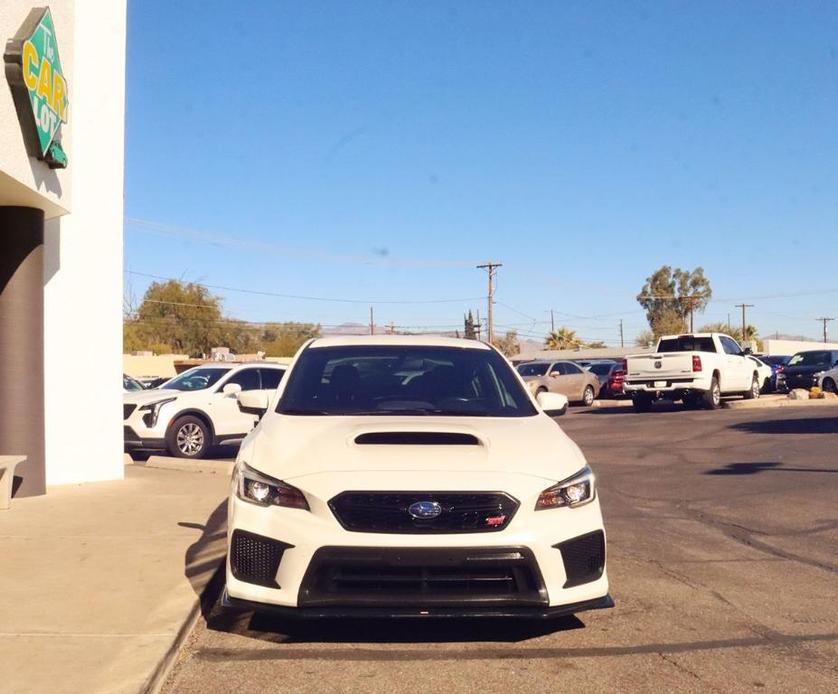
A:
(555, 374)
(747, 351)
(254, 402)
(553, 404)
(231, 389)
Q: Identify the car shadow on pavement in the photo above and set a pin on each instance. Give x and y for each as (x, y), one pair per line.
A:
(804, 425)
(204, 558)
(425, 630)
(754, 468)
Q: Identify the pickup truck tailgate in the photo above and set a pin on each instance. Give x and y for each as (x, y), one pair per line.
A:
(659, 367)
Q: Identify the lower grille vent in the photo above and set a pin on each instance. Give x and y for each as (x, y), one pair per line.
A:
(583, 557)
(255, 559)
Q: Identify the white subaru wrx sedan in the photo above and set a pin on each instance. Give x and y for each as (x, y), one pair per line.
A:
(411, 476)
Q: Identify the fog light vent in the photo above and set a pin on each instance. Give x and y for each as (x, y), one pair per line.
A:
(255, 559)
(583, 557)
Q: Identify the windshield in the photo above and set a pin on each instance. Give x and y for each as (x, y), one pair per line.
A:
(775, 361)
(129, 383)
(197, 378)
(601, 369)
(687, 343)
(810, 359)
(400, 380)
(534, 369)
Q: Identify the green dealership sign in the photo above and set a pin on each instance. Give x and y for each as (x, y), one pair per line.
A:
(33, 69)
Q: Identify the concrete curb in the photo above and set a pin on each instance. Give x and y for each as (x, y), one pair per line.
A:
(213, 467)
(156, 680)
(612, 403)
(767, 403)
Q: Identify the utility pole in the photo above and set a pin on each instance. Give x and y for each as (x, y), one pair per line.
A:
(744, 323)
(372, 322)
(553, 322)
(492, 270)
(478, 326)
(622, 342)
(824, 320)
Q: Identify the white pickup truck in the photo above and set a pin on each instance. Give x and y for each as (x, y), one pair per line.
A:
(697, 368)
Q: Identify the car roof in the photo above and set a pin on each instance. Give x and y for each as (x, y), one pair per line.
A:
(236, 365)
(397, 341)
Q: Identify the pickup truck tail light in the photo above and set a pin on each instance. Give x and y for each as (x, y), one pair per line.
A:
(696, 362)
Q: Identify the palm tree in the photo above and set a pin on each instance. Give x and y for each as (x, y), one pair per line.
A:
(563, 338)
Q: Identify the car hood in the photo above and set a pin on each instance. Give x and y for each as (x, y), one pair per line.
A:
(291, 447)
(144, 397)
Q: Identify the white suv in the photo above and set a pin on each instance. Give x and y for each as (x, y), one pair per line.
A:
(411, 476)
(197, 409)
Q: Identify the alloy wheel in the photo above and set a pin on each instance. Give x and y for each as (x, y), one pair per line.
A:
(190, 438)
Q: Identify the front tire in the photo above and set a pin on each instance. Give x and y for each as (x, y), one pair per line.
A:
(588, 396)
(828, 386)
(754, 391)
(188, 437)
(713, 397)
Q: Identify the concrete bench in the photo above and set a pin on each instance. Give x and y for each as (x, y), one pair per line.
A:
(8, 463)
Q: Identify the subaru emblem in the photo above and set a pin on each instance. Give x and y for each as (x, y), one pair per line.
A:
(423, 510)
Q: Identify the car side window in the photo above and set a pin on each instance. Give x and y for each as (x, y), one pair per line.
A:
(248, 379)
(271, 378)
(730, 346)
(572, 369)
(557, 369)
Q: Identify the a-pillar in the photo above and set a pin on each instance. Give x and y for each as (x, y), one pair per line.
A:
(22, 343)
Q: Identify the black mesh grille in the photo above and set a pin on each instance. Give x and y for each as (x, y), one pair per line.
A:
(583, 557)
(389, 512)
(367, 576)
(255, 559)
(127, 410)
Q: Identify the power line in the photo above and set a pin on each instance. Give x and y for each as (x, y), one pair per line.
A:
(213, 238)
(307, 298)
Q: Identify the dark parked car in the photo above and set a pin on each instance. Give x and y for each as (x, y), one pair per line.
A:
(611, 375)
(803, 368)
(778, 365)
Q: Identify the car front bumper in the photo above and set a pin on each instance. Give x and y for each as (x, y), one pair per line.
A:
(539, 553)
(462, 612)
(134, 441)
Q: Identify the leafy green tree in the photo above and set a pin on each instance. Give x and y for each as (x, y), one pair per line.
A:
(469, 331)
(645, 338)
(508, 344)
(751, 332)
(670, 295)
(284, 339)
(184, 316)
(563, 338)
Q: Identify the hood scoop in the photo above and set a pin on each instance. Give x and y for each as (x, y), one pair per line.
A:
(416, 438)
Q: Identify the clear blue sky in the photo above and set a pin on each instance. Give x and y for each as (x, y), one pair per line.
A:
(378, 150)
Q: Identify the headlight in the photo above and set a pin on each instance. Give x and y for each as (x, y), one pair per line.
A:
(574, 491)
(152, 410)
(259, 489)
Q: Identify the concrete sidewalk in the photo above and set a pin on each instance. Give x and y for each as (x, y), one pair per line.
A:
(98, 582)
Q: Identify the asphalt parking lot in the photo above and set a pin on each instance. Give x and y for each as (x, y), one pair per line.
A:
(722, 538)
